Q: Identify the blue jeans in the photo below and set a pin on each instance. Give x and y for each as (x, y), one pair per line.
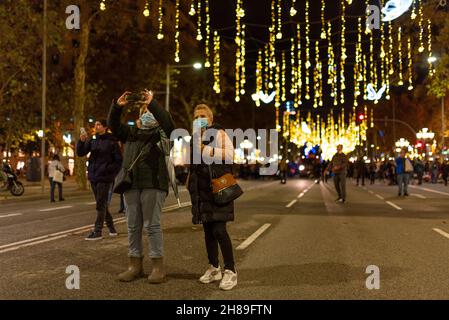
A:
(52, 189)
(143, 210)
(403, 180)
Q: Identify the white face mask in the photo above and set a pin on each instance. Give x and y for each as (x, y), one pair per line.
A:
(148, 120)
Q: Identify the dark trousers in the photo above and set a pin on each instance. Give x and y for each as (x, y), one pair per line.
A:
(52, 189)
(340, 184)
(215, 234)
(101, 193)
(420, 176)
(361, 176)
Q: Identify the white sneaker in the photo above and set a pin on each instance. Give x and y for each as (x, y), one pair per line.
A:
(229, 280)
(212, 274)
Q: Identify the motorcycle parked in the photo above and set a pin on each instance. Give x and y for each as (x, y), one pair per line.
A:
(12, 184)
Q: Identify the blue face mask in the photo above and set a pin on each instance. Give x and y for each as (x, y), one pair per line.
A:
(200, 123)
(148, 121)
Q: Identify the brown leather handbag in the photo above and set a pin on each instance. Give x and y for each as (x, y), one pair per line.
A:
(225, 188)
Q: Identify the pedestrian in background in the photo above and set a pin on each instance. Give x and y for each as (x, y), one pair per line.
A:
(104, 163)
(56, 172)
(404, 168)
(338, 166)
(361, 170)
(419, 170)
(445, 171)
(145, 199)
(204, 210)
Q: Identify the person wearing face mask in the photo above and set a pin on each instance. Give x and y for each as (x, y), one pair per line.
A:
(204, 211)
(150, 182)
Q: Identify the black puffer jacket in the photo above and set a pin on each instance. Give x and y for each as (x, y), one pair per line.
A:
(203, 207)
(105, 158)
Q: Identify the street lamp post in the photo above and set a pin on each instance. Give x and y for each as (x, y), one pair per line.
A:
(196, 66)
(44, 94)
(425, 134)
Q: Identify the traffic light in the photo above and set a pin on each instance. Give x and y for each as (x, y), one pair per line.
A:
(360, 118)
(419, 144)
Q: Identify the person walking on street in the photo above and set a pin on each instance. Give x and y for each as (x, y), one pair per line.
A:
(338, 166)
(435, 171)
(56, 176)
(104, 163)
(150, 182)
(404, 168)
(419, 170)
(445, 171)
(361, 170)
(204, 210)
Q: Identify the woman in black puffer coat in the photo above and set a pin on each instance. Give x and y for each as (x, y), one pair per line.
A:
(204, 210)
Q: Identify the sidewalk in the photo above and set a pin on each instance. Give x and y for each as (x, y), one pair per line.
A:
(33, 191)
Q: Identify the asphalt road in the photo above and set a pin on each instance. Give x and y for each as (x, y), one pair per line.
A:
(309, 247)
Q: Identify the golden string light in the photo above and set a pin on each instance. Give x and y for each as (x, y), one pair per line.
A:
(146, 10)
(430, 58)
(410, 63)
(358, 77)
(192, 11)
(388, 62)
(308, 64)
(331, 68)
(199, 36)
(299, 67)
(401, 82)
(240, 53)
(272, 41)
(103, 5)
(217, 88)
(293, 11)
(206, 44)
(390, 48)
(267, 80)
(293, 68)
(279, 21)
(323, 30)
(177, 32)
(421, 27)
(259, 77)
(283, 79)
(160, 35)
(372, 71)
(343, 53)
(277, 102)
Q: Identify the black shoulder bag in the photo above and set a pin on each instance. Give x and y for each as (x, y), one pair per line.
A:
(124, 179)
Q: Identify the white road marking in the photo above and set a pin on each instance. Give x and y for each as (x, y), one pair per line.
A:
(430, 190)
(301, 195)
(10, 215)
(54, 209)
(380, 197)
(418, 195)
(444, 234)
(58, 235)
(91, 203)
(393, 205)
(370, 191)
(253, 237)
(291, 203)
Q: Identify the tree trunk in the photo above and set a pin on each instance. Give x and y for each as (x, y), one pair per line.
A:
(79, 100)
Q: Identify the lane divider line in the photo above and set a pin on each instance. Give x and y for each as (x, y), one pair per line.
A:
(418, 195)
(10, 215)
(430, 190)
(253, 237)
(54, 209)
(62, 234)
(444, 234)
(291, 203)
(380, 197)
(393, 205)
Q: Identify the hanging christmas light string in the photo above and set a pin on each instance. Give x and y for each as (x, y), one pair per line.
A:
(293, 11)
(176, 32)
(160, 35)
(283, 78)
(410, 63)
(206, 44)
(217, 87)
(308, 64)
(146, 10)
(103, 5)
(192, 11)
(421, 26)
(240, 53)
(343, 53)
(323, 25)
(272, 42)
(413, 15)
(279, 21)
(259, 77)
(277, 102)
(357, 63)
(299, 65)
(199, 36)
(401, 82)
(267, 80)
(293, 68)
(332, 70)
(389, 61)
(431, 58)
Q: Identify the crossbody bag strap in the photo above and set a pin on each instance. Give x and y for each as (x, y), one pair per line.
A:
(150, 144)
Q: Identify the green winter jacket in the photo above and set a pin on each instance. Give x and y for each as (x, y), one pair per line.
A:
(150, 171)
